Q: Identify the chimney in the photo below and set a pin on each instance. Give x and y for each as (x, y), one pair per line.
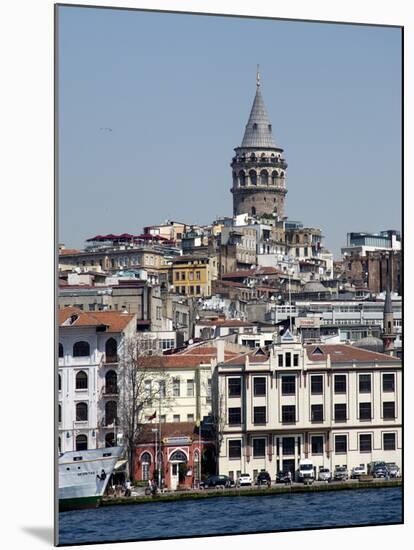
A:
(220, 351)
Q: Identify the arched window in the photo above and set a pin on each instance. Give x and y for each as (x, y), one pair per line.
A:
(110, 413)
(59, 382)
(145, 466)
(178, 456)
(81, 412)
(253, 211)
(110, 440)
(242, 177)
(274, 177)
(60, 445)
(111, 350)
(81, 380)
(81, 442)
(264, 176)
(111, 382)
(60, 350)
(81, 349)
(59, 413)
(252, 156)
(253, 177)
(282, 174)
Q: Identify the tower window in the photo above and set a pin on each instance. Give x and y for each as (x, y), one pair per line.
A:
(253, 177)
(270, 127)
(254, 126)
(253, 211)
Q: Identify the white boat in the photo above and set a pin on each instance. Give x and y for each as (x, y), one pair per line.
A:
(84, 475)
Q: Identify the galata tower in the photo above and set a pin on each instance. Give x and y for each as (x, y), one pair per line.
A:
(259, 170)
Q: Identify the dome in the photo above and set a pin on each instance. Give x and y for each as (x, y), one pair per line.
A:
(314, 286)
(370, 343)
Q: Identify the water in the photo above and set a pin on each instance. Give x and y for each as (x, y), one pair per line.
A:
(232, 515)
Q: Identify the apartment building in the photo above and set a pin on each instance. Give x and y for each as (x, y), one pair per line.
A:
(193, 275)
(335, 404)
(89, 347)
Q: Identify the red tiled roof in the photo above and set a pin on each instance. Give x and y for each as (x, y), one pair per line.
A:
(67, 251)
(345, 353)
(169, 429)
(116, 321)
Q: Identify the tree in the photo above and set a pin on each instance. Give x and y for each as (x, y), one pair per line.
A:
(144, 386)
(219, 422)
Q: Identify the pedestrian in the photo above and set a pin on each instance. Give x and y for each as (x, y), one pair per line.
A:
(127, 488)
(289, 477)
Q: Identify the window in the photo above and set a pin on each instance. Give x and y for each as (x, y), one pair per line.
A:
(340, 412)
(60, 350)
(234, 414)
(91, 307)
(198, 289)
(81, 382)
(288, 385)
(81, 412)
(389, 442)
(316, 385)
(209, 389)
(81, 349)
(145, 463)
(259, 447)
(259, 415)
(253, 177)
(288, 445)
(365, 443)
(176, 387)
(388, 410)
(176, 418)
(235, 448)
(340, 444)
(111, 382)
(59, 413)
(365, 411)
(364, 383)
(280, 360)
(295, 360)
(161, 388)
(198, 275)
(163, 418)
(81, 442)
(177, 275)
(264, 177)
(110, 413)
(234, 386)
(259, 385)
(317, 444)
(59, 382)
(340, 383)
(317, 413)
(190, 418)
(148, 390)
(288, 360)
(190, 388)
(110, 439)
(288, 413)
(388, 382)
(183, 275)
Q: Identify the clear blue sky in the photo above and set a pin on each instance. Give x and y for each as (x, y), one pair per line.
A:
(176, 90)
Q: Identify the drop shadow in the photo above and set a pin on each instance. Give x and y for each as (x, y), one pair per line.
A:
(45, 534)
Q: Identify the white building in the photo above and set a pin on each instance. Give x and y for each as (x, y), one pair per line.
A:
(334, 404)
(89, 345)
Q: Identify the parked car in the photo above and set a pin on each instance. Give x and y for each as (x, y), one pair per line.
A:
(358, 471)
(324, 474)
(306, 471)
(380, 470)
(217, 481)
(263, 478)
(393, 470)
(283, 477)
(341, 473)
(244, 479)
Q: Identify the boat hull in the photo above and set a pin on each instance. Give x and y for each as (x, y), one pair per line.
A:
(81, 503)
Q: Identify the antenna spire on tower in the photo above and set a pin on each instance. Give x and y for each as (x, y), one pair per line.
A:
(258, 76)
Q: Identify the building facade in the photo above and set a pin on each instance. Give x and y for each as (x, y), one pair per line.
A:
(336, 405)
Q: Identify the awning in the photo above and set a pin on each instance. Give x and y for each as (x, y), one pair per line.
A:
(120, 464)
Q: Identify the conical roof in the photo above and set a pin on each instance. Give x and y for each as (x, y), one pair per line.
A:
(258, 131)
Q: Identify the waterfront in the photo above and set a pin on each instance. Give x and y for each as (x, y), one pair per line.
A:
(232, 515)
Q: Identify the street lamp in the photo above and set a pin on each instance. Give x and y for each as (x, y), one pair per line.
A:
(155, 432)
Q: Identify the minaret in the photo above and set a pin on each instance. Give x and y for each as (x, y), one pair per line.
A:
(259, 170)
(388, 335)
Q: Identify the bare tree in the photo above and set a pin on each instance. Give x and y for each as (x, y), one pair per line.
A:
(219, 422)
(144, 383)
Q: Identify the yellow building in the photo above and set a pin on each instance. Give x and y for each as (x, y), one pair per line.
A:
(192, 276)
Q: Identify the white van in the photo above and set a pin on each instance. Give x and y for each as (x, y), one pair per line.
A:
(306, 471)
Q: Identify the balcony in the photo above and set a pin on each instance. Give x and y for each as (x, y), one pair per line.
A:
(110, 390)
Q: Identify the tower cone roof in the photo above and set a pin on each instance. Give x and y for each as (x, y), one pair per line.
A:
(258, 131)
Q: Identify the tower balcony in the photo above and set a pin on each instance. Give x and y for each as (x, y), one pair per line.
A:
(259, 162)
